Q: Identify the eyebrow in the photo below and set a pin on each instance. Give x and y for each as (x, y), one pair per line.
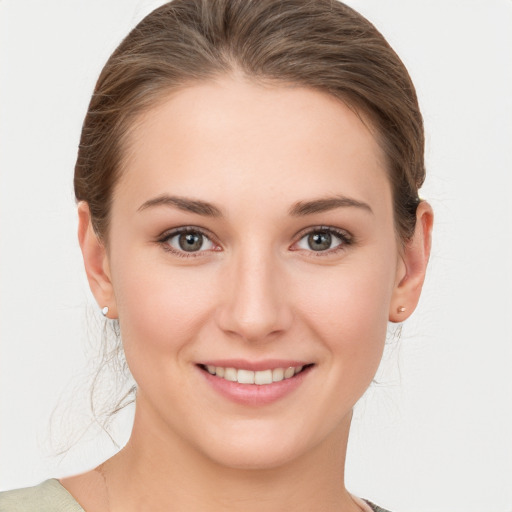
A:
(322, 205)
(299, 209)
(183, 203)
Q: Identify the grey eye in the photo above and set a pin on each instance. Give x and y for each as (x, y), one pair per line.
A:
(191, 241)
(320, 240)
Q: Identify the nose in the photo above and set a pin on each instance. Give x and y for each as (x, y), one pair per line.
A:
(255, 307)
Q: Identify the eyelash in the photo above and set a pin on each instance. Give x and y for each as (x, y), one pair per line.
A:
(345, 238)
(168, 235)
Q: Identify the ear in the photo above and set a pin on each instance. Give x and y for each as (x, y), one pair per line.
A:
(413, 266)
(95, 261)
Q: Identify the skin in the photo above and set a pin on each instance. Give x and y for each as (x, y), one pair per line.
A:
(256, 290)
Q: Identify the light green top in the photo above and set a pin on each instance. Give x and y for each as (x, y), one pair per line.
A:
(49, 496)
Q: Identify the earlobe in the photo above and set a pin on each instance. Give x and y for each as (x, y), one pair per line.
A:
(95, 262)
(413, 266)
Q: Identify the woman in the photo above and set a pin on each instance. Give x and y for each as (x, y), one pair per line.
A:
(247, 185)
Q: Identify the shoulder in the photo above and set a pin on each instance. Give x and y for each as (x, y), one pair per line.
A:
(375, 508)
(49, 496)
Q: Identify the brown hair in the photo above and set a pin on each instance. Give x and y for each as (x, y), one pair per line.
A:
(321, 44)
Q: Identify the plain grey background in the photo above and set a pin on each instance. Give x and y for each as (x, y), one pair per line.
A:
(436, 433)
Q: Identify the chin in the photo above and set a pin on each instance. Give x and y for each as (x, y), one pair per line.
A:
(253, 457)
(260, 448)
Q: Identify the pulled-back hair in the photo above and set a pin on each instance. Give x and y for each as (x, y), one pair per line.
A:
(320, 44)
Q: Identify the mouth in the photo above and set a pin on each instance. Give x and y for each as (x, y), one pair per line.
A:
(255, 383)
(262, 377)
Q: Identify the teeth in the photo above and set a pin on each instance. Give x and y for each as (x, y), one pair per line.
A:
(259, 377)
(230, 374)
(289, 372)
(264, 377)
(245, 377)
(277, 374)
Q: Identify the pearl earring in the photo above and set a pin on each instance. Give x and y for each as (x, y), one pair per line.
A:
(104, 311)
(400, 309)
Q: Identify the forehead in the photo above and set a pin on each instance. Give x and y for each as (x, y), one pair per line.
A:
(233, 139)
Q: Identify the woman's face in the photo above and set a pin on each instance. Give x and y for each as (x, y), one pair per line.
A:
(252, 231)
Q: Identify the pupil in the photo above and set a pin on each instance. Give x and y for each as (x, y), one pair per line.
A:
(191, 241)
(319, 241)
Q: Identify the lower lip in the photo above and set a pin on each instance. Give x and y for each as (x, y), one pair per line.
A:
(254, 394)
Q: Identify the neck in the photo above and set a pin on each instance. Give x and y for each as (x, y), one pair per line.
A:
(162, 472)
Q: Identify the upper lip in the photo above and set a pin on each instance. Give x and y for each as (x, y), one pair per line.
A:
(244, 364)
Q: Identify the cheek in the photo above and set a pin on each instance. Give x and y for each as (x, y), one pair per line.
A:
(353, 335)
(160, 307)
(348, 310)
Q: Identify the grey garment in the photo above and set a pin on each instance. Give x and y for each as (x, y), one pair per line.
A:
(51, 496)
(376, 508)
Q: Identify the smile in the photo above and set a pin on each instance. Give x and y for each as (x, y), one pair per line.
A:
(260, 377)
(255, 383)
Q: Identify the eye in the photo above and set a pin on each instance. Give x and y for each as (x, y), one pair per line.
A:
(187, 240)
(324, 240)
